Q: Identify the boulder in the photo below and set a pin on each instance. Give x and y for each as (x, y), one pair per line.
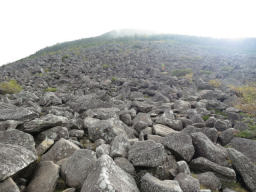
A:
(9, 185)
(103, 149)
(60, 150)
(45, 178)
(188, 183)
(162, 130)
(103, 113)
(43, 123)
(54, 133)
(183, 167)
(181, 105)
(12, 112)
(107, 176)
(44, 146)
(50, 98)
(221, 125)
(142, 106)
(180, 145)
(119, 146)
(141, 121)
(146, 154)
(210, 181)
(150, 183)
(245, 168)
(202, 164)
(125, 165)
(226, 136)
(77, 167)
(205, 148)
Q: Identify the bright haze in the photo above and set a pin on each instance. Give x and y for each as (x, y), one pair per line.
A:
(30, 25)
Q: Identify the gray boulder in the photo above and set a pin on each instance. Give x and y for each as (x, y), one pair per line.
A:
(210, 181)
(9, 124)
(43, 123)
(183, 167)
(103, 113)
(142, 106)
(77, 167)
(226, 136)
(150, 183)
(180, 145)
(54, 133)
(245, 146)
(45, 178)
(119, 146)
(141, 121)
(50, 98)
(146, 154)
(244, 167)
(103, 149)
(60, 150)
(181, 105)
(205, 148)
(168, 119)
(44, 146)
(188, 183)
(12, 112)
(162, 130)
(107, 176)
(202, 164)
(9, 185)
(125, 165)
(221, 125)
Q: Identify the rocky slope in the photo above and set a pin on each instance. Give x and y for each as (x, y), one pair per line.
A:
(127, 114)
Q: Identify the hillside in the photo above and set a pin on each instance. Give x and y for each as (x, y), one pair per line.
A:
(130, 112)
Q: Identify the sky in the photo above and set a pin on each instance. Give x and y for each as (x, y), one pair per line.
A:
(30, 25)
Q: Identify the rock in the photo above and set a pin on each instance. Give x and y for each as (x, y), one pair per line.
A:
(146, 154)
(202, 164)
(17, 151)
(168, 119)
(107, 176)
(188, 183)
(221, 125)
(156, 138)
(226, 136)
(180, 145)
(12, 112)
(105, 129)
(210, 122)
(76, 133)
(45, 178)
(211, 133)
(50, 98)
(125, 165)
(181, 105)
(54, 133)
(46, 122)
(244, 167)
(142, 106)
(141, 121)
(167, 170)
(183, 167)
(9, 185)
(77, 167)
(103, 149)
(162, 130)
(44, 146)
(150, 183)
(209, 181)
(119, 146)
(245, 146)
(69, 190)
(103, 113)
(126, 118)
(9, 124)
(205, 148)
(60, 150)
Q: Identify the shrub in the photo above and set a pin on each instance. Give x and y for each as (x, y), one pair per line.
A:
(215, 83)
(50, 89)
(206, 117)
(181, 72)
(10, 87)
(114, 79)
(105, 66)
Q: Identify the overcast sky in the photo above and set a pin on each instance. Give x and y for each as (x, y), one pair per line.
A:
(29, 25)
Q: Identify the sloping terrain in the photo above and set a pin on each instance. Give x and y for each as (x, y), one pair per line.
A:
(149, 113)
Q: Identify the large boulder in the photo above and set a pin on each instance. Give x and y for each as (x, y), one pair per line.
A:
(50, 98)
(150, 183)
(245, 146)
(141, 121)
(202, 164)
(206, 148)
(17, 151)
(125, 165)
(103, 113)
(45, 178)
(9, 185)
(210, 181)
(43, 123)
(146, 154)
(12, 112)
(60, 150)
(245, 168)
(107, 176)
(180, 145)
(105, 129)
(162, 130)
(181, 105)
(188, 183)
(77, 167)
(54, 133)
(119, 146)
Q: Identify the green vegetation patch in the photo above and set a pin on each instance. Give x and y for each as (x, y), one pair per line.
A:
(181, 72)
(236, 186)
(50, 89)
(10, 87)
(206, 117)
(249, 133)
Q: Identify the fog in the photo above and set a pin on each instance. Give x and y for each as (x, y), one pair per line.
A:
(29, 25)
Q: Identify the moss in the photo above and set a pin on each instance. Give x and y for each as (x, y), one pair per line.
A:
(114, 79)
(234, 186)
(105, 66)
(64, 57)
(50, 89)
(219, 112)
(206, 117)
(10, 87)
(181, 72)
(249, 133)
(205, 72)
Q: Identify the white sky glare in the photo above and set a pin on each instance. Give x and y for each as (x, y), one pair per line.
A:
(30, 25)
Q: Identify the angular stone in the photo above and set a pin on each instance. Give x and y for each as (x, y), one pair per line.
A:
(50, 98)
(142, 106)
(107, 176)
(244, 167)
(188, 183)
(209, 181)
(54, 133)
(43, 123)
(103, 149)
(103, 113)
(9, 185)
(119, 146)
(125, 165)
(205, 148)
(202, 164)
(181, 105)
(44, 146)
(146, 154)
(180, 144)
(150, 183)
(77, 167)
(226, 136)
(221, 125)
(183, 167)
(45, 178)
(141, 121)
(60, 150)
(162, 130)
